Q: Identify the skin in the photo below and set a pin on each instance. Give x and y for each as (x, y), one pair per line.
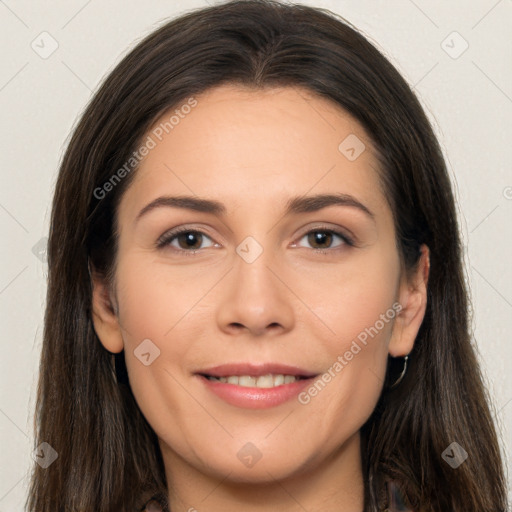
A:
(252, 150)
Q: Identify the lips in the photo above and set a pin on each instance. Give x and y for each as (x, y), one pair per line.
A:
(240, 384)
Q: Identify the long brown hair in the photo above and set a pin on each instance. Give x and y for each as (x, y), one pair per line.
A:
(108, 455)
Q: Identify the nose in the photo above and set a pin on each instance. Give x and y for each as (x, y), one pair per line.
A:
(255, 298)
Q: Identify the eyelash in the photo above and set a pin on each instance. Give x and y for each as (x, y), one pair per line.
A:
(168, 237)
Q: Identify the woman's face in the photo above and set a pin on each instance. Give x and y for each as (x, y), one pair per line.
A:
(286, 265)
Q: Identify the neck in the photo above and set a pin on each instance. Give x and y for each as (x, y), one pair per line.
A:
(331, 485)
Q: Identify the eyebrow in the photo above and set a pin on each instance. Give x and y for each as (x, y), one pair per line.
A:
(295, 205)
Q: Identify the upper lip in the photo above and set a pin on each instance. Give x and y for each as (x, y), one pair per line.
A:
(256, 370)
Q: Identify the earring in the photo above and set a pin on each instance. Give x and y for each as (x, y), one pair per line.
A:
(397, 381)
(153, 506)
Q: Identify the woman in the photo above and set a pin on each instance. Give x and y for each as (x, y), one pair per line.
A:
(256, 298)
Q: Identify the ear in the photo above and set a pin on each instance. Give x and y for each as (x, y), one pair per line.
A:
(104, 315)
(413, 299)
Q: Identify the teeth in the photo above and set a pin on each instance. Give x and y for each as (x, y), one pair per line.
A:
(278, 380)
(247, 381)
(264, 381)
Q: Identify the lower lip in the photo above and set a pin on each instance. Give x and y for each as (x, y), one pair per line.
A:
(253, 397)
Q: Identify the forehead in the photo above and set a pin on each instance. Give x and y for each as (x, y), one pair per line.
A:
(246, 146)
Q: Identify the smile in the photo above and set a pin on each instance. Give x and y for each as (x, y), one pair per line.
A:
(264, 381)
(255, 386)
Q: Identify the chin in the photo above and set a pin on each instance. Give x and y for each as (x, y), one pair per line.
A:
(266, 469)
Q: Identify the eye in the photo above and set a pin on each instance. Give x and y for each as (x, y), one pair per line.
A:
(190, 240)
(185, 239)
(324, 238)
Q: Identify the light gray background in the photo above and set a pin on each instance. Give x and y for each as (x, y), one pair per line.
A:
(468, 98)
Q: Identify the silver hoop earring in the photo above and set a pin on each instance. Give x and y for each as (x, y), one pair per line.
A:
(397, 381)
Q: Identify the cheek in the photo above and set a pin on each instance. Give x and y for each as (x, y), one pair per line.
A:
(156, 298)
(153, 316)
(355, 296)
(360, 307)
(347, 392)
(152, 311)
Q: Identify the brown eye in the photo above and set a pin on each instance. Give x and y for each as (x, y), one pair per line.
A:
(323, 239)
(186, 239)
(320, 237)
(189, 240)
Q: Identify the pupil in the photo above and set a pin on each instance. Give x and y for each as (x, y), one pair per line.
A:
(320, 236)
(189, 238)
